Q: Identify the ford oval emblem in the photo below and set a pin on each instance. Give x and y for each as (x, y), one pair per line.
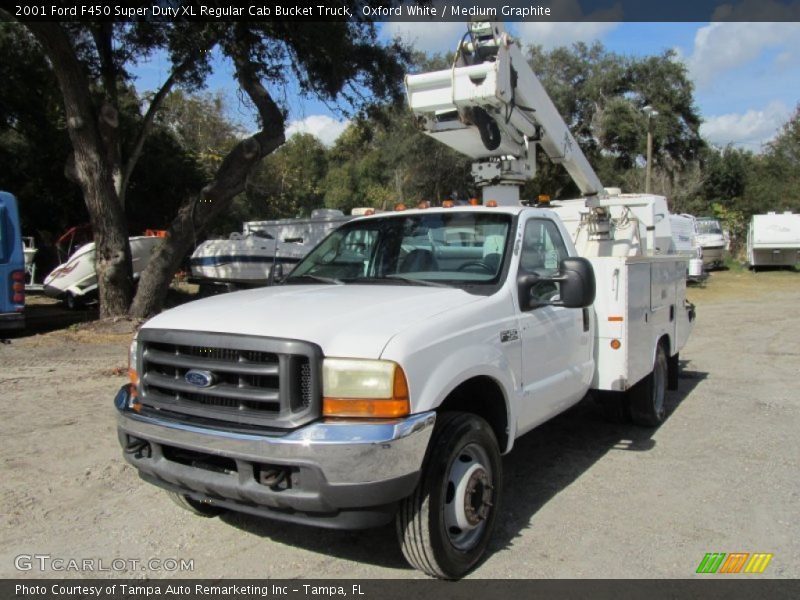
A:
(199, 378)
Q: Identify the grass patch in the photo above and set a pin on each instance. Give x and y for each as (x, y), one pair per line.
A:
(732, 264)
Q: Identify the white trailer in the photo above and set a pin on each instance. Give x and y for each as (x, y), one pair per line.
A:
(773, 240)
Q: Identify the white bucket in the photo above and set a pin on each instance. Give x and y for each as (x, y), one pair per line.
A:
(696, 267)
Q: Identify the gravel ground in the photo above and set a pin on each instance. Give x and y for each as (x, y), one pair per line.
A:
(583, 498)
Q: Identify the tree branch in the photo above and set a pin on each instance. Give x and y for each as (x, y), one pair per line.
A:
(232, 174)
(149, 118)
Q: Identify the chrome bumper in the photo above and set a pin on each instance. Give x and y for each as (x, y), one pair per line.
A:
(335, 466)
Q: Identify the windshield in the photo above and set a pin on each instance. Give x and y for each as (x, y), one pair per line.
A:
(458, 248)
(708, 226)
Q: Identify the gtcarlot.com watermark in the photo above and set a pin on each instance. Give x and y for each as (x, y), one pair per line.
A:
(48, 562)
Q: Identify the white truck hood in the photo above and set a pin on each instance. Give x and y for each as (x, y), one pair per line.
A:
(344, 320)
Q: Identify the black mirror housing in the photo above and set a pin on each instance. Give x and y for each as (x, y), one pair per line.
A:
(577, 287)
(276, 274)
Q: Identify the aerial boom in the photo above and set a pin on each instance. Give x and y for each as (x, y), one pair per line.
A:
(491, 106)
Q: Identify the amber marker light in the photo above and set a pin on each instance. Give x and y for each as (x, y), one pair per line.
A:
(616, 344)
(448, 203)
(491, 203)
(474, 202)
(400, 206)
(133, 375)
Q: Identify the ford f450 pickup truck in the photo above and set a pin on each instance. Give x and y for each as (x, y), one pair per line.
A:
(387, 374)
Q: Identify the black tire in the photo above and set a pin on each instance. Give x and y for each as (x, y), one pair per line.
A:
(463, 461)
(201, 509)
(647, 399)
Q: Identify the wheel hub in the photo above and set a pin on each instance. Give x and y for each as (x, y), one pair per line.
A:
(469, 499)
(477, 497)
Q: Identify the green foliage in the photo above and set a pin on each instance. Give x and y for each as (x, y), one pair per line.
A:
(289, 182)
(774, 183)
(601, 95)
(33, 139)
(385, 159)
(199, 124)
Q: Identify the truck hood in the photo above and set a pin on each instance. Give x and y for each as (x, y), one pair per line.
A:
(344, 320)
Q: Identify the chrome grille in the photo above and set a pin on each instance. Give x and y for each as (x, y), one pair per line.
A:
(254, 381)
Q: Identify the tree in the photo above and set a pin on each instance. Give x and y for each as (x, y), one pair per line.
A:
(289, 183)
(601, 95)
(91, 63)
(33, 138)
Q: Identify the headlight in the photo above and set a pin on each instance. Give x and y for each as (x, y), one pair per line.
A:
(363, 388)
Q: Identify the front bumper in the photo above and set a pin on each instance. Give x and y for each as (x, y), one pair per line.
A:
(338, 474)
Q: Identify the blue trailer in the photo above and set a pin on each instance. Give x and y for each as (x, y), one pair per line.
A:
(12, 266)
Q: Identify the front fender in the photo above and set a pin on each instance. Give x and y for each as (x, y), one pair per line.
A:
(431, 381)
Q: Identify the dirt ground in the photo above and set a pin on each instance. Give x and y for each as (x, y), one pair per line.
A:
(583, 498)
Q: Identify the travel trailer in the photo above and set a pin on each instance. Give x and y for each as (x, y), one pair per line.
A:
(773, 240)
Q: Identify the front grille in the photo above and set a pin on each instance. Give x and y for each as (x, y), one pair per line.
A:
(245, 380)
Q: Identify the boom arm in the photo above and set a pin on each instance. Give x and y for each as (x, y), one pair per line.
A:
(491, 106)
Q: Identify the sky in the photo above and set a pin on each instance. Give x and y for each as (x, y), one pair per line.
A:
(746, 75)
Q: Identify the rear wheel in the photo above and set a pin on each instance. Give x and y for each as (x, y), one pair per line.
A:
(646, 400)
(445, 526)
(201, 509)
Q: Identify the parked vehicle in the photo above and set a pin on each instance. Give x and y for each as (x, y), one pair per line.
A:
(386, 375)
(773, 240)
(12, 266)
(75, 281)
(685, 242)
(712, 240)
(247, 259)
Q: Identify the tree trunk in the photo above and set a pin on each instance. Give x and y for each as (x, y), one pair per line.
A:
(196, 214)
(93, 170)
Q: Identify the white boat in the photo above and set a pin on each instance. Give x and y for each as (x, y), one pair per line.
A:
(773, 240)
(247, 259)
(684, 241)
(712, 241)
(75, 281)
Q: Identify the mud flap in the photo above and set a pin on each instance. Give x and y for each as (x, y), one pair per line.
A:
(673, 371)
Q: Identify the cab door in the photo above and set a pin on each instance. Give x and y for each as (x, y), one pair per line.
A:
(556, 341)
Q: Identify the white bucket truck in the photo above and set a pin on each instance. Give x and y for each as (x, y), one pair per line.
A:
(388, 373)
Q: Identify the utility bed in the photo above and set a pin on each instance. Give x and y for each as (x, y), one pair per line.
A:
(640, 299)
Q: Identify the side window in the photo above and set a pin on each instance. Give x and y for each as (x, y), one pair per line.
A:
(543, 249)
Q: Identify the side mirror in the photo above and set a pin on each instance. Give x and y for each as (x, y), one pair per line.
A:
(576, 286)
(275, 273)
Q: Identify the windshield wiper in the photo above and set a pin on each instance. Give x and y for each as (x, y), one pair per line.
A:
(317, 278)
(414, 281)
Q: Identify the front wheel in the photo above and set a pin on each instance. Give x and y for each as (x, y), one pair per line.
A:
(646, 400)
(445, 526)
